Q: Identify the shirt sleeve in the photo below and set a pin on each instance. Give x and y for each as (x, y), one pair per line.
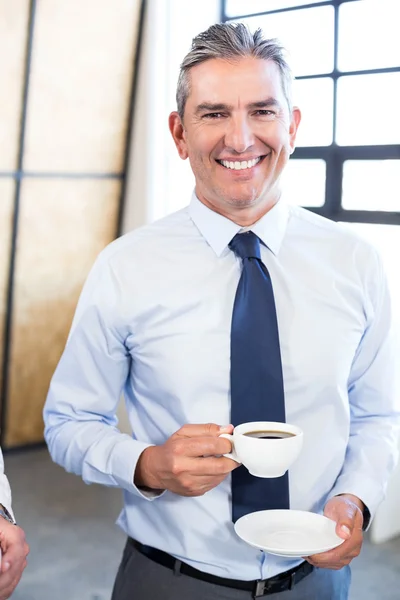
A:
(374, 413)
(80, 410)
(5, 491)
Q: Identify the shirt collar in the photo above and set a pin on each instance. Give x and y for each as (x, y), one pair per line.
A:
(218, 230)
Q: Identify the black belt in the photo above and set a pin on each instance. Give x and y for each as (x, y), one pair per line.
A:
(261, 587)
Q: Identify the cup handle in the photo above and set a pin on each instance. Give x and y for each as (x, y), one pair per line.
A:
(232, 454)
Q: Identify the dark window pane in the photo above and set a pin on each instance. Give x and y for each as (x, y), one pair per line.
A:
(369, 35)
(239, 7)
(306, 34)
(368, 108)
(314, 97)
(303, 182)
(371, 185)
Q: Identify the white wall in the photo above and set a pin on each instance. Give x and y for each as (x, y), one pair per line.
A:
(158, 181)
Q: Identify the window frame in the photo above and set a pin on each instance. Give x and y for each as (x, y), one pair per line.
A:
(334, 154)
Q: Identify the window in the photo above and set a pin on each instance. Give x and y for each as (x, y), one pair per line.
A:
(345, 56)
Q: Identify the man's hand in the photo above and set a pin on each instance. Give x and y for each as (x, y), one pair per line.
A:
(13, 561)
(346, 511)
(189, 463)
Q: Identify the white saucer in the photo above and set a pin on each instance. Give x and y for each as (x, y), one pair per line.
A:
(289, 533)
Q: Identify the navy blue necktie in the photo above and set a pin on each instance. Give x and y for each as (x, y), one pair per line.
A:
(256, 373)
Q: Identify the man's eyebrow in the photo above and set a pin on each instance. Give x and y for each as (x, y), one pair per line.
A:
(267, 103)
(210, 107)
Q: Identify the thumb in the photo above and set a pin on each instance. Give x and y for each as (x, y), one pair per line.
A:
(344, 530)
(346, 522)
(5, 566)
(344, 513)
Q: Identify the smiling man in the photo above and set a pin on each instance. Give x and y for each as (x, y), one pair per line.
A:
(238, 308)
(238, 147)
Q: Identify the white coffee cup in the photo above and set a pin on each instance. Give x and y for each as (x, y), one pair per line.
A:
(265, 457)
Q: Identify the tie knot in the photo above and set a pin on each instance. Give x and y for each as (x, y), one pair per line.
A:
(246, 245)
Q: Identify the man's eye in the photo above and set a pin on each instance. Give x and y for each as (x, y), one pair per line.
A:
(214, 115)
(265, 113)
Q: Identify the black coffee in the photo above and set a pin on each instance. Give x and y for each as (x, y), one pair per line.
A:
(269, 435)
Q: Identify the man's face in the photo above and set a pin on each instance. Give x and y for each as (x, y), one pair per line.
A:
(236, 115)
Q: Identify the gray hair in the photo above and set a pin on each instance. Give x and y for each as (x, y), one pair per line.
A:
(231, 41)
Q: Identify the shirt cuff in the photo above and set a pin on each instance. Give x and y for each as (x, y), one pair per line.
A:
(5, 500)
(7, 515)
(365, 489)
(124, 460)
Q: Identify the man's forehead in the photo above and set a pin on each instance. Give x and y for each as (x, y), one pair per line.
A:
(219, 80)
(217, 67)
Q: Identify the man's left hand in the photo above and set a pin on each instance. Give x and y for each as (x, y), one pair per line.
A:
(346, 511)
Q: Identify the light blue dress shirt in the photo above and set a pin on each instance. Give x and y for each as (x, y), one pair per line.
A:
(153, 322)
(5, 492)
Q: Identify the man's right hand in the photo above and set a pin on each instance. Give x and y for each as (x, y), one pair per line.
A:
(189, 463)
(14, 552)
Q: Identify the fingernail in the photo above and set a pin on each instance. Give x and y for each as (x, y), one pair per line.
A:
(225, 428)
(345, 530)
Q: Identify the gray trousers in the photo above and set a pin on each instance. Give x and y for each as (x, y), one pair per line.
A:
(140, 578)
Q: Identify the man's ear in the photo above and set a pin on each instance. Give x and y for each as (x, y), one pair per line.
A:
(294, 124)
(178, 133)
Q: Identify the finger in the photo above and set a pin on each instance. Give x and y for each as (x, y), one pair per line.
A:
(330, 564)
(212, 466)
(12, 572)
(203, 429)
(324, 562)
(7, 591)
(6, 580)
(5, 564)
(340, 556)
(331, 556)
(10, 558)
(201, 446)
(200, 485)
(14, 560)
(332, 567)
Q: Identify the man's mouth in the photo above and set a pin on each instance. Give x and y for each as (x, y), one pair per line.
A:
(240, 165)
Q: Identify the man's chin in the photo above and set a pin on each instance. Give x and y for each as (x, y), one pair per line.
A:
(242, 201)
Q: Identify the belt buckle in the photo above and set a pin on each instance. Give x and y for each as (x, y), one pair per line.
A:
(261, 588)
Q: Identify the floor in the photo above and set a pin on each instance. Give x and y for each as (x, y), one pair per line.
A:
(76, 548)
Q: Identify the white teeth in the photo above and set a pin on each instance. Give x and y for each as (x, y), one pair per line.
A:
(238, 166)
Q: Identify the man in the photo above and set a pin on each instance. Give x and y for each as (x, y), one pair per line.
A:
(13, 548)
(169, 317)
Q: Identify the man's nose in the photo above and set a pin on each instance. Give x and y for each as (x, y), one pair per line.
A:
(239, 136)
